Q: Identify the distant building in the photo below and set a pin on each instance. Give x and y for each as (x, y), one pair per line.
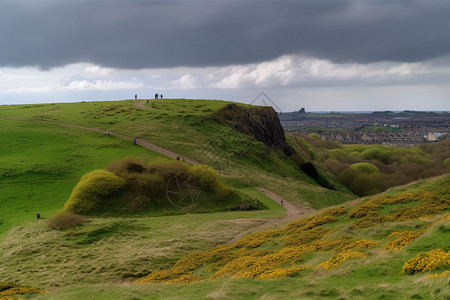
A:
(433, 137)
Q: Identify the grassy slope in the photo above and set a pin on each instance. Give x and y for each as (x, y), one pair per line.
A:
(377, 276)
(107, 250)
(184, 126)
(41, 163)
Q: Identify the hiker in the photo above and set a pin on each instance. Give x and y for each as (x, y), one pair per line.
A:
(38, 216)
(178, 158)
(135, 96)
(281, 202)
(156, 96)
(161, 96)
(183, 159)
(134, 141)
(107, 132)
(147, 101)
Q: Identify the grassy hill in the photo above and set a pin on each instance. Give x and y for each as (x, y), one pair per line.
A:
(41, 161)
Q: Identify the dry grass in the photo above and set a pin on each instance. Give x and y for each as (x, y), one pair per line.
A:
(104, 251)
(65, 219)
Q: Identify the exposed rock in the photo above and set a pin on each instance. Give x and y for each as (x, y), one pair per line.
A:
(260, 122)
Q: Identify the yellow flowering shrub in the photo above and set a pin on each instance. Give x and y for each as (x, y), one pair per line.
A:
(363, 209)
(256, 263)
(368, 211)
(404, 197)
(371, 219)
(327, 216)
(339, 258)
(302, 237)
(282, 273)
(403, 238)
(254, 240)
(427, 261)
(443, 274)
(258, 256)
(360, 244)
(10, 289)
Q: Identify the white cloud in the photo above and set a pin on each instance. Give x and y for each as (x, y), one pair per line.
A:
(239, 82)
(97, 70)
(28, 90)
(186, 81)
(102, 85)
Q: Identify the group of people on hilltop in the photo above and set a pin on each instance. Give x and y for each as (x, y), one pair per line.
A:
(157, 96)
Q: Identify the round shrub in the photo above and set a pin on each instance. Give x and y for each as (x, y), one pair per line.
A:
(365, 168)
(446, 163)
(314, 136)
(65, 219)
(204, 176)
(376, 153)
(92, 191)
(338, 155)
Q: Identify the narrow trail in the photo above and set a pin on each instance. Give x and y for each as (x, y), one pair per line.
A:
(142, 105)
(142, 142)
(292, 213)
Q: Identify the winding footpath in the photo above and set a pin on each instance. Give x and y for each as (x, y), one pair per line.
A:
(292, 212)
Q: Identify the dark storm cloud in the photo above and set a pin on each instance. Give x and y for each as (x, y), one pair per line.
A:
(152, 34)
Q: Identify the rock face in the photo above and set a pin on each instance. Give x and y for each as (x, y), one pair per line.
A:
(260, 122)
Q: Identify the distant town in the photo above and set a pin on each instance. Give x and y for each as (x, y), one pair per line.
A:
(387, 127)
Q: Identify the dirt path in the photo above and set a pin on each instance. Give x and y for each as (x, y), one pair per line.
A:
(292, 213)
(142, 105)
(142, 142)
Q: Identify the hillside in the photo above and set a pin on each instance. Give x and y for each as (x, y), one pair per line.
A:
(50, 148)
(384, 240)
(183, 126)
(338, 253)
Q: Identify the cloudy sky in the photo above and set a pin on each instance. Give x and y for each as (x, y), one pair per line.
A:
(321, 55)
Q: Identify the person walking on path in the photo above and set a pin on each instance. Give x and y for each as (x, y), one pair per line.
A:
(38, 216)
(134, 141)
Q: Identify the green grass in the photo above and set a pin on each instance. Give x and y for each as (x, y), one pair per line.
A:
(117, 249)
(41, 163)
(239, 158)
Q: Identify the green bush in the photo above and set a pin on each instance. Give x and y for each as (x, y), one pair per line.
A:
(314, 136)
(446, 163)
(131, 185)
(376, 153)
(93, 190)
(204, 176)
(365, 168)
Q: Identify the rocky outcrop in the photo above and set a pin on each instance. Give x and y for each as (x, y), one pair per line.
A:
(263, 124)
(260, 122)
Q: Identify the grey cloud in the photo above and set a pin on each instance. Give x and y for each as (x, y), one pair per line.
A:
(161, 34)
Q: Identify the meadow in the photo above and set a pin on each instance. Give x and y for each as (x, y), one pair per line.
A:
(41, 162)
